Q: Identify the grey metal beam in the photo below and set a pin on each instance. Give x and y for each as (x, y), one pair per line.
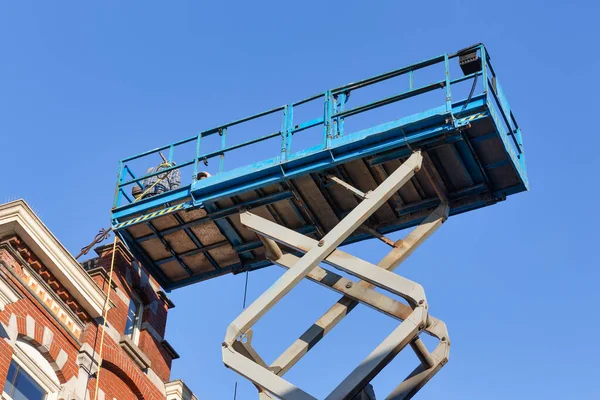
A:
(422, 374)
(396, 284)
(380, 357)
(353, 294)
(347, 186)
(434, 178)
(326, 245)
(339, 310)
(239, 354)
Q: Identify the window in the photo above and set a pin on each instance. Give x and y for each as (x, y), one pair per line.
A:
(30, 376)
(134, 318)
(21, 386)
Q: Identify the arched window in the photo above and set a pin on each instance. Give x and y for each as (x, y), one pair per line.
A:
(30, 375)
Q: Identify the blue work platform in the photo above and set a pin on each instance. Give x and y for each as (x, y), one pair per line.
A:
(451, 107)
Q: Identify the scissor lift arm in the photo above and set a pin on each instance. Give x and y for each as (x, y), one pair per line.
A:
(238, 353)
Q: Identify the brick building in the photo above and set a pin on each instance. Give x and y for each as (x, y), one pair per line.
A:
(51, 320)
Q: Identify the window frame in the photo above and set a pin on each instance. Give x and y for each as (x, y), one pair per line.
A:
(137, 326)
(30, 367)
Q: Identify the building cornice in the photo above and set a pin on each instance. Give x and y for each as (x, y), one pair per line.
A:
(18, 218)
(177, 390)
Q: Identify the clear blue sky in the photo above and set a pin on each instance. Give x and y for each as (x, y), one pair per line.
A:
(84, 85)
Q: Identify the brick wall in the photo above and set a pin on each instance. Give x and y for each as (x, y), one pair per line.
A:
(32, 319)
(128, 277)
(114, 385)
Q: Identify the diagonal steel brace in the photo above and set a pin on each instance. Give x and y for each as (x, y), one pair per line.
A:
(354, 293)
(244, 359)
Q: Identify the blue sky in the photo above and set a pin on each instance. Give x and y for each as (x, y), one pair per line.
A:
(83, 85)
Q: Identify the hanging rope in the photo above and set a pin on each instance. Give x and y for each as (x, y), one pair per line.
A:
(104, 321)
(243, 308)
(102, 235)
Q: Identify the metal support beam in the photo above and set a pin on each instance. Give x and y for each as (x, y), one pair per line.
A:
(434, 178)
(380, 357)
(346, 304)
(238, 353)
(326, 245)
(412, 292)
(347, 186)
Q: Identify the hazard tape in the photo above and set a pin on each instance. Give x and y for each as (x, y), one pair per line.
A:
(150, 216)
(470, 118)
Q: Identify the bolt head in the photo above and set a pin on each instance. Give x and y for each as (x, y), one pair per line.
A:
(348, 285)
(321, 243)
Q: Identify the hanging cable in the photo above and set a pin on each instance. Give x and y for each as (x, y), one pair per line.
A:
(464, 107)
(243, 307)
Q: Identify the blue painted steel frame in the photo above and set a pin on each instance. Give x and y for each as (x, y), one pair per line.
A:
(436, 124)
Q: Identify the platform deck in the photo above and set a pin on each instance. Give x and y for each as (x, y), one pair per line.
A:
(473, 155)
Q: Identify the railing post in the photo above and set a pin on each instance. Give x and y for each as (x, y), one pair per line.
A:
(287, 129)
(342, 98)
(484, 69)
(222, 133)
(197, 158)
(171, 151)
(448, 91)
(411, 82)
(327, 120)
(118, 195)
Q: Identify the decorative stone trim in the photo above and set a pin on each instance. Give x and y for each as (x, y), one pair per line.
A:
(10, 332)
(134, 352)
(164, 298)
(38, 336)
(7, 294)
(98, 271)
(150, 329)
(177, 390)
(47, 297)
(110, 331)
(18, 218)
(42, 292)
(170, 350)
(87, 359)
(155, 379)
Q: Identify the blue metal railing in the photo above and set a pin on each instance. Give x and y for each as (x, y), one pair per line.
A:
(334, 114)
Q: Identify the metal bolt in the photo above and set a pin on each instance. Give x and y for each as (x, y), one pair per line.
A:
(321, 243)
(348, 285)
(421, 301)
(444, 339)
(224, 344)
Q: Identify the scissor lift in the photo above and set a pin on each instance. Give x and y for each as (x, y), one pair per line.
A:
(296, 209)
